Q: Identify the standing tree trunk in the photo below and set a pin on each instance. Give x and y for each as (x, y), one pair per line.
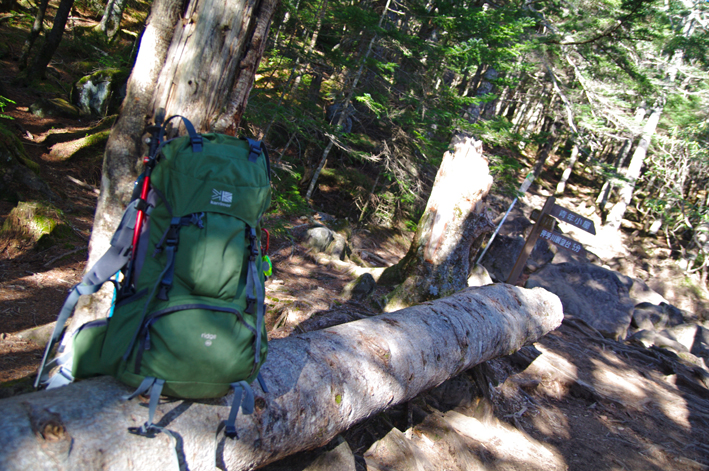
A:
(211, 64)
(111, 20)
(567, 171)
(37, 28)
(204, 71)
(51, 42)
(544, 152)
(636, 163)
(438, 262)
(124, 147)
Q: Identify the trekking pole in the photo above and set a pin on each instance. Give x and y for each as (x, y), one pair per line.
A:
(149, 162)
(522, 189)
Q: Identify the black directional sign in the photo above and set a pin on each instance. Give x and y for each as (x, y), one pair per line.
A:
(563, 242)
(564, 215)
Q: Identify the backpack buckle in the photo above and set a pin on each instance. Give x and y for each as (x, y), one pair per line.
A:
(254, 149)
(250, 305)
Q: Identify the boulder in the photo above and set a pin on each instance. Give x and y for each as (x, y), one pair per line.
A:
(503, 253)
(54, 107)
(594, 294)
(651, 338)
(324, 239)
(652, 316)
(395, 452)
(33, 225)
(360, 288)
(93, 94)
(640, 292)
(479, 277)
(319, 238)
(695, 338)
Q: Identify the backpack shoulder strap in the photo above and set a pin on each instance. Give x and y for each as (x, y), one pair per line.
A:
(113, 260)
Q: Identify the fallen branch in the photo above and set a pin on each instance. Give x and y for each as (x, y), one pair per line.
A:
(321, 383)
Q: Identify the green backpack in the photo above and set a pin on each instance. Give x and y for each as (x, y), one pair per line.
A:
(188, 316)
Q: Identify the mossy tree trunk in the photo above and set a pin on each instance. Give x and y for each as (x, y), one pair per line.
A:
(111, 20)
(438, 262)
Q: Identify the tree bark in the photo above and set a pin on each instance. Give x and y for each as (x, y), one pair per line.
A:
(35, 31)
(321, 383)
(567, 171)
(176, 54)
(636, 163)
(51, 42)
(111, 20)
(121, 161)
(438, 262)
(212, 62)
(201, 70)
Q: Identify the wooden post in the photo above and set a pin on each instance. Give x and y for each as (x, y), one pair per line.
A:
(531, 241)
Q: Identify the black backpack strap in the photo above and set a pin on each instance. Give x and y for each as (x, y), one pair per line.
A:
(255, 294)
(168, 243)
(195, 138)
(152, 386)
(112, 261)
(255, 150)
(241, 389)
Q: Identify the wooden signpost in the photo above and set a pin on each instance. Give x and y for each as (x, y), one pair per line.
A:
(544, 227)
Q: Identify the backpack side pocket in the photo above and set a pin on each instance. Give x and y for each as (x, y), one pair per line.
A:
(87, 345)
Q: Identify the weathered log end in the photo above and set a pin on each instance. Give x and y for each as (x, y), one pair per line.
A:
(321, 383)
(438, 262)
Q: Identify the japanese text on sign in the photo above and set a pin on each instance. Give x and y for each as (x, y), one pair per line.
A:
(571, 217)
(562, 241)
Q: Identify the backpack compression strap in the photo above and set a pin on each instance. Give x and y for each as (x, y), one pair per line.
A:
(113, 260)
(255, 295)
(152, 386)
(255, 150)
(241, 388)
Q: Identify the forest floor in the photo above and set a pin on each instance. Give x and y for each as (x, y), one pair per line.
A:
(586, 403)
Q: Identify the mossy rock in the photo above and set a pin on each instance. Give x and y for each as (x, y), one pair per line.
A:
(94, 94)
(54, 107)
(34, 225)
(66, 150)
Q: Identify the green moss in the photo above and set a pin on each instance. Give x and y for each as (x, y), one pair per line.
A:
(14, 146)
(40, 224)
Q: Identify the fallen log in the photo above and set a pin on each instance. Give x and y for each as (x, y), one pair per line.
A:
(321, 383)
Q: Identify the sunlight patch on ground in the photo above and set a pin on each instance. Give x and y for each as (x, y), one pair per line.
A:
(627, 387)
(505, 442)
(552, 422)
(617, 383)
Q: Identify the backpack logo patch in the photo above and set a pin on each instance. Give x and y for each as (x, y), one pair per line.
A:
(209, 338)
(221, 198)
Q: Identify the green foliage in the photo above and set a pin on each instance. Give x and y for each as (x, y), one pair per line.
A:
(3, 103)
(286, 199)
